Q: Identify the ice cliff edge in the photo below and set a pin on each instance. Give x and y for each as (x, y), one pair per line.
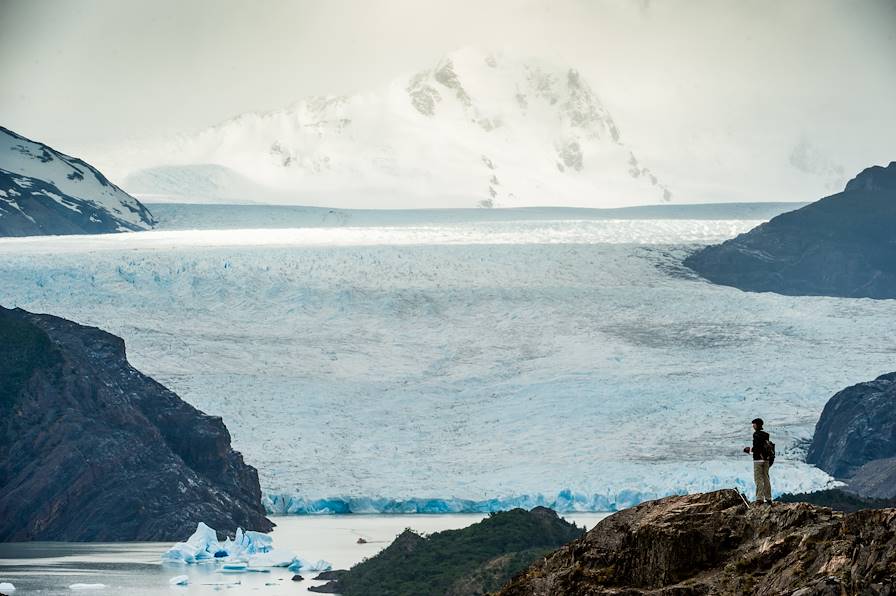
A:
(93, 450)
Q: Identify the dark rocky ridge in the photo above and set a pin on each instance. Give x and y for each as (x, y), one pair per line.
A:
(855, 437)
(712, 543)
(466, 562)
(842, 245)
(93, 450)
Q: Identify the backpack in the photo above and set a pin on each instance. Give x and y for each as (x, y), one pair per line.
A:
(770, 452)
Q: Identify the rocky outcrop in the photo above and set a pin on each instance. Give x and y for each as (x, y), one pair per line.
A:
(467, 562)
(43, 191)
(855, 438)
(93, 450)
(843, 245)
(712, 543)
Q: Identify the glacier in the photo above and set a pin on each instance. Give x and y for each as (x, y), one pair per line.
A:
(466, 366)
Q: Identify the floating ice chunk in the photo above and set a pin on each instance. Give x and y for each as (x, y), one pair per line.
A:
(247, 551)
(276, 557)
(247, 543)
(319, 565)
(302, 565)
(87, 586)
(201, 545)
(179, 580)
(7, 587)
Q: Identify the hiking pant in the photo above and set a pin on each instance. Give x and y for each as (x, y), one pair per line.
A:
(763, 484)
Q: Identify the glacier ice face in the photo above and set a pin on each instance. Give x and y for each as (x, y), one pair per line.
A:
(442, 371)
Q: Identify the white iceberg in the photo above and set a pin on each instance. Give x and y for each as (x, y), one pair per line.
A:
(247, 551)
(202, 545)
(7, 587)
(276, 557)
(179, 580)
(301, 565)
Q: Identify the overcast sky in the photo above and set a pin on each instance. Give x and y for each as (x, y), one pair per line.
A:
(85, 74)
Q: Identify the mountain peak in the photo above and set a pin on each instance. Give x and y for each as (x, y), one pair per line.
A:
(476, 128)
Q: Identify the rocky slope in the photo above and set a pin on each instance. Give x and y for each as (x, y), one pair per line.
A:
(466, 562)
(855, 438)
(92, 450)
(842, 245)
(43, 191)
(475, 129)
(711, 543)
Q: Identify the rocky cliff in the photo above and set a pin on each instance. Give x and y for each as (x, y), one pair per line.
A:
(711, 543)
(842, 245)
(93, 450)
(855, 438)
(43, 191)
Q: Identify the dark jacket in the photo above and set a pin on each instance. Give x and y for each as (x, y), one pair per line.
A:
(760, 438)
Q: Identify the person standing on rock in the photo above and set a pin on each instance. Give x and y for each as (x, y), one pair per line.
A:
(763, 455)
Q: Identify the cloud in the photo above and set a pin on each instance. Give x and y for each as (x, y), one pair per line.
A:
(681, 77)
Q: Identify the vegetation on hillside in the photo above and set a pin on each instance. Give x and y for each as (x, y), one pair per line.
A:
(473, 560)
(838, 499)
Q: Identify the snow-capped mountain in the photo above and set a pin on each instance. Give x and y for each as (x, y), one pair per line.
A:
(476, 129)
(43, 191)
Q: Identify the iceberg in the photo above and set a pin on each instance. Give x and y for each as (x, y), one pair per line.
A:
(302, 565)
(247, 551)
(7, 587)
(201, 545)
(179, 580)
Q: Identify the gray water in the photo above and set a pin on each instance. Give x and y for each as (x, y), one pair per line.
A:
(134, 568)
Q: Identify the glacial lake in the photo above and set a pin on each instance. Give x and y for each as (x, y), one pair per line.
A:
(49, 568)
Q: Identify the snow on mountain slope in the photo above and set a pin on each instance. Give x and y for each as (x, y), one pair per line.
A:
(165, 184)
(476, 129)
(43, 191)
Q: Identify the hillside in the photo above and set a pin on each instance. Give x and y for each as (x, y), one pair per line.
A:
(465, 562)
(43, 191)
(711, 543)
(842, 245)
